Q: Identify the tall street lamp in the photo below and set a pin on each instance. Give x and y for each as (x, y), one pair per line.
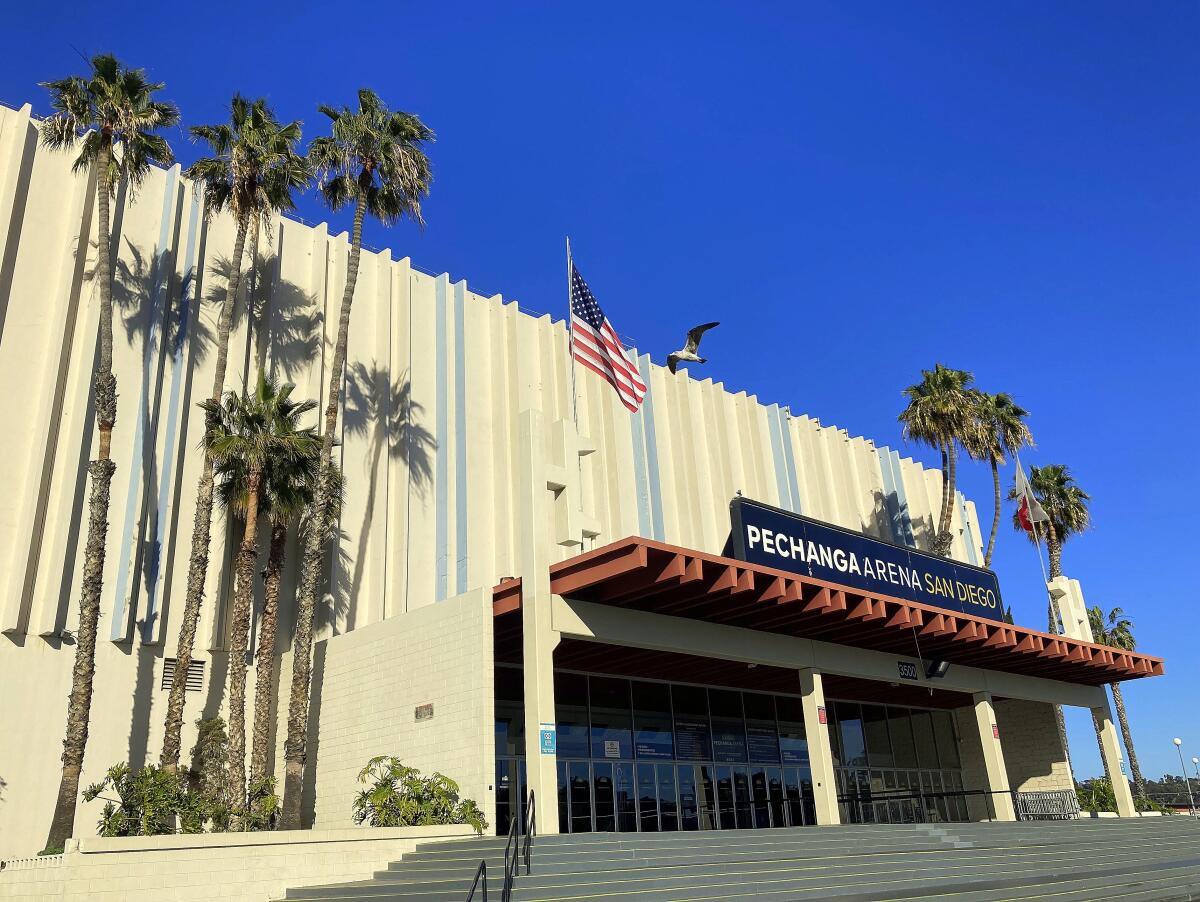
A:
(1191, 802)
(1196, 766)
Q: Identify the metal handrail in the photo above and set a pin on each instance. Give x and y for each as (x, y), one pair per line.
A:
(530, 831)
(480, 873)
(518, 846)
(916, 795)
(510, 860)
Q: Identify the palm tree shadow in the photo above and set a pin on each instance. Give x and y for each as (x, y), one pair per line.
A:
(387, 415)
(286, 320)
(154, 305)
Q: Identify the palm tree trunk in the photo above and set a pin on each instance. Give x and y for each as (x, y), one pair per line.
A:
(1053, 550)
(201, 528)
(264, 664)
(243, 598)
(937, 532)
(945, 537)
(310, 573)
(987, 558)
(101, 470)
(1139, 782)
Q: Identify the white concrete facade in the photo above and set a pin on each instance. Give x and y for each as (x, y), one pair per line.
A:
(449, 489)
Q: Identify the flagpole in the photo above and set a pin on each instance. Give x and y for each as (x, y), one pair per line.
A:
(1037, 539)
(570, 350)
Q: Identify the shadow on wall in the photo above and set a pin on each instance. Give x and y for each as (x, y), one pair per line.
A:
(385, 412)
(312, 746)
(888, 522)
(154, 305)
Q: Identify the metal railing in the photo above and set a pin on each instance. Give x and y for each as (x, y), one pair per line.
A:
(1046, 805)
(518, 847)
(480, 874)
(915, 806)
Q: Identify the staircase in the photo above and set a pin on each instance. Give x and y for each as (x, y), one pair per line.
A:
(1068, 861)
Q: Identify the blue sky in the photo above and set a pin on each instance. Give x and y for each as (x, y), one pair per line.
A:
(855, 190)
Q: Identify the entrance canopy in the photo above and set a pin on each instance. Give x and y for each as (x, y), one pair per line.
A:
(645, 575)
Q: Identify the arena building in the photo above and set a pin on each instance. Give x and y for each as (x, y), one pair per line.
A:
(709, 614)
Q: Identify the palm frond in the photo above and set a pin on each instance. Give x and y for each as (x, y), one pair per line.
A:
(374, 155)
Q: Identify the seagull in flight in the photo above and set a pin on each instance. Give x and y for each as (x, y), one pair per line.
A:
(688, 352)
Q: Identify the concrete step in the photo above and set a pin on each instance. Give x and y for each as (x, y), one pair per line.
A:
(717, 878)
(848, 863)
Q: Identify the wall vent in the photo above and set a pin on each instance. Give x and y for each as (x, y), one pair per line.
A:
(195, 676)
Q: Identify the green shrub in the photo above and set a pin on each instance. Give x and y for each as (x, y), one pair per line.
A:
(147, 802)
(398, 796)
(1096, 795)
(153, 802)
(1144, 804)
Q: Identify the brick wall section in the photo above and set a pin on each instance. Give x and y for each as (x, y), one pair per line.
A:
(970, 754)
(239, 868)
(1032, 753)
(368, 683)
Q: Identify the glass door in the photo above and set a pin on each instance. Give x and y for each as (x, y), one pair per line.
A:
(580, 794)
(647, 790)
(759, 797)
(727, 817)
(602, 782)
(668, 810)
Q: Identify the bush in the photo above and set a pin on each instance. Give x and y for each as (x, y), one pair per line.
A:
(147, 804)
(1096, 795)
(154, 802)
(398, 796)
(1145, 804)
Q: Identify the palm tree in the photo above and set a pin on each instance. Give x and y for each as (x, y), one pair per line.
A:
(112, 116)
(251, 434)
(1116, 631)
(1066, 507)
(1065, 503)
(375, 160)
(289, 488)
(252, 173)
(939, 414)
(999, 430)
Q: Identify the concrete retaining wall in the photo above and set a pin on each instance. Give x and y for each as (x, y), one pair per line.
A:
(250, 867)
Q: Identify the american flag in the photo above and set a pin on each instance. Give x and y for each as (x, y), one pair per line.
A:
(594, 344)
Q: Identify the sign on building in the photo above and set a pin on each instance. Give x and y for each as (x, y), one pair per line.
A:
(774, 538)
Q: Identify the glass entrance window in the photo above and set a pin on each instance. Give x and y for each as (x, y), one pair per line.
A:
(692, 735)
(743, 802)
(793, 743)
(668, 811)
(689, 812)
(638, 755)
(760, 799)
(580, 795)
(652, 733)
(571, 713)
(848, 719)
(647, 782)
(612, 723)
(626, 800)
(728, 725)
(727, 818)
(606, 809)
(707, 794)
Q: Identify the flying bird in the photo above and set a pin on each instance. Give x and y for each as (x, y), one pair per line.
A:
(688, 352)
